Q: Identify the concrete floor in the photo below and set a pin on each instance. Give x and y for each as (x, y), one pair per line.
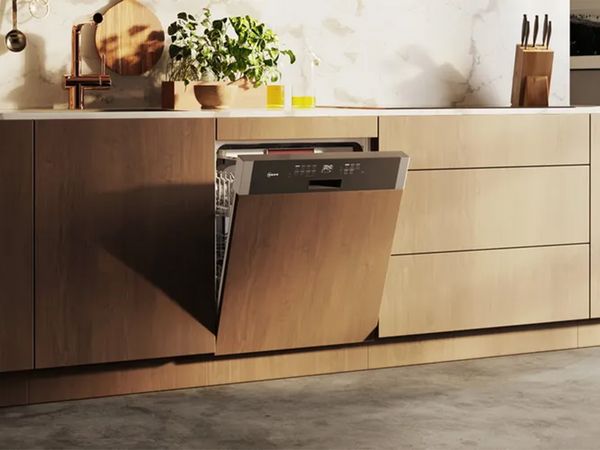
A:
(545, 401)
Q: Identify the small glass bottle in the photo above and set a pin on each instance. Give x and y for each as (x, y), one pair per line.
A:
(275, 96)
(304, 90)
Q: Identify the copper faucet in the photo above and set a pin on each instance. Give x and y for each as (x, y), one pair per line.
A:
(76, 83)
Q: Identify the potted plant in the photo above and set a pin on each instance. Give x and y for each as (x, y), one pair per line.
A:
(218, 57)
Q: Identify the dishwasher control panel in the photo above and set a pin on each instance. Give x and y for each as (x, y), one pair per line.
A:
(289, 174)
(311, 170)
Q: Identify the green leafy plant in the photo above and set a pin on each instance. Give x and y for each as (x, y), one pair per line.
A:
(231, 49)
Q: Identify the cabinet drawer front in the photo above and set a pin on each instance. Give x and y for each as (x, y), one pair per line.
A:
(441, 142)
(450, 210)
(485, 289)
(249, 129)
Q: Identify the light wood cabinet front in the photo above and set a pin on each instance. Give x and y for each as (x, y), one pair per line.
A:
(124, 253)
(595, 216)
(483, 289)
(444, 142)
(247, 129)
(16, 245)
(449, 210)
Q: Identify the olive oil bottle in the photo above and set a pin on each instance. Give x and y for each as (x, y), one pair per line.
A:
(304, 89)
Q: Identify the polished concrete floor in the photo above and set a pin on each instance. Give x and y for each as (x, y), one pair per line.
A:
(543, 401)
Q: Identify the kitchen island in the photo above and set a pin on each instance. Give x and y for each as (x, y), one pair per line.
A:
(108, 277)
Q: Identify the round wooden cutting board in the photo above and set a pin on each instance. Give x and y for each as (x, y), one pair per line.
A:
(131, 38)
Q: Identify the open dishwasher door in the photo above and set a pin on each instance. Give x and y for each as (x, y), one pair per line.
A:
(308, 250)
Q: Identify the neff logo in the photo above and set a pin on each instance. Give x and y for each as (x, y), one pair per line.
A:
(272, 174)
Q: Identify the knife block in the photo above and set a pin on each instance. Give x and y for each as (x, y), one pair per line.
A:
(532, 77)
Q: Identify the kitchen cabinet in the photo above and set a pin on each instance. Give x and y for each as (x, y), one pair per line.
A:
(16, 246)
(471, 141)
(595, 216)
(485, 289)
(254, 128)
(473, 209)
(124, 254)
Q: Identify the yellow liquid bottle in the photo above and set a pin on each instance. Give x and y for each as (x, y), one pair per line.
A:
(304, 101)
(304, 91)
(276, 96)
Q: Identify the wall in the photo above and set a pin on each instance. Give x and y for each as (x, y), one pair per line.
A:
(387, 53)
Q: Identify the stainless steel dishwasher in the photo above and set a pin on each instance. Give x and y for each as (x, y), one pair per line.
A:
(304, 235)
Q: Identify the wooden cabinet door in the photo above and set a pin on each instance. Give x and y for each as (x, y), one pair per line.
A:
(16, 245)
(124, 240)
(474, 209)
(265, 128)
(516, 140)
(441, 292)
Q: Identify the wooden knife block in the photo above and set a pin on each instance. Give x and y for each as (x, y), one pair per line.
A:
(532, 77)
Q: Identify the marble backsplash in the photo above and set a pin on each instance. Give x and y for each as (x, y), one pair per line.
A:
(384, 53)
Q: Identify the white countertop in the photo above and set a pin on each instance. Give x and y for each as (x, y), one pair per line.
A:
(49, 114)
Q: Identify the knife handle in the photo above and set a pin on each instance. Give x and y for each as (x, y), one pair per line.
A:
(536, 29)
(549, 35)
(523, 30)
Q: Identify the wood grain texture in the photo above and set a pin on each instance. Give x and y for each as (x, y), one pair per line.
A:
(108, 380)
(16, 246)
(124, 240)
(445, 142)
(102, 381)
(595, 215)
(537, 92)
(589, 333)
(485, 289)
(14, 389)
(529, 63)
(493, 208)
(177, 96)
(305, 270)
(136, 377)
(270, 367)
(131, 38)
(469, 346)
(245, 129)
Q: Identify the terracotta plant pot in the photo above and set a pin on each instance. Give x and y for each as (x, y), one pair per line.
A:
(215, 95)
(177, 96)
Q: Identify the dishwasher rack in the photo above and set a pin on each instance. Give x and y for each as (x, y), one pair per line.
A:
(225, 197)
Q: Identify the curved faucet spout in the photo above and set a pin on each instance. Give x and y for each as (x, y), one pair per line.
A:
(77, 83)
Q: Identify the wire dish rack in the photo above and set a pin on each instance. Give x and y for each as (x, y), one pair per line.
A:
(225, 192)
(225, 198)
